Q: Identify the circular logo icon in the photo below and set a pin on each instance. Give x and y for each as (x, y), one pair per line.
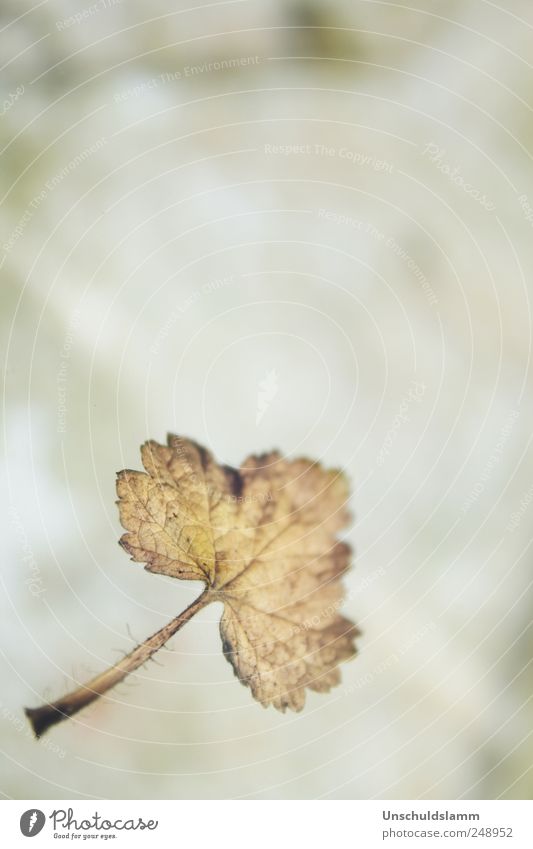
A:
(32, 822)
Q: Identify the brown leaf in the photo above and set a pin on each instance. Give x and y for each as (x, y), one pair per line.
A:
(264, 541)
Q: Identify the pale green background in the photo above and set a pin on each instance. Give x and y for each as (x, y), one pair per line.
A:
(111, 307)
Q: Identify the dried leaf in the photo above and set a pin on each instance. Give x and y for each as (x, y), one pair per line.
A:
(263, 539)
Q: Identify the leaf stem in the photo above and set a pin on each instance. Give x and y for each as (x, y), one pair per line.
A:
(49, 714)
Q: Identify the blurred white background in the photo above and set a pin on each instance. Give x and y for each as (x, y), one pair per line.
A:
(334, 198)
